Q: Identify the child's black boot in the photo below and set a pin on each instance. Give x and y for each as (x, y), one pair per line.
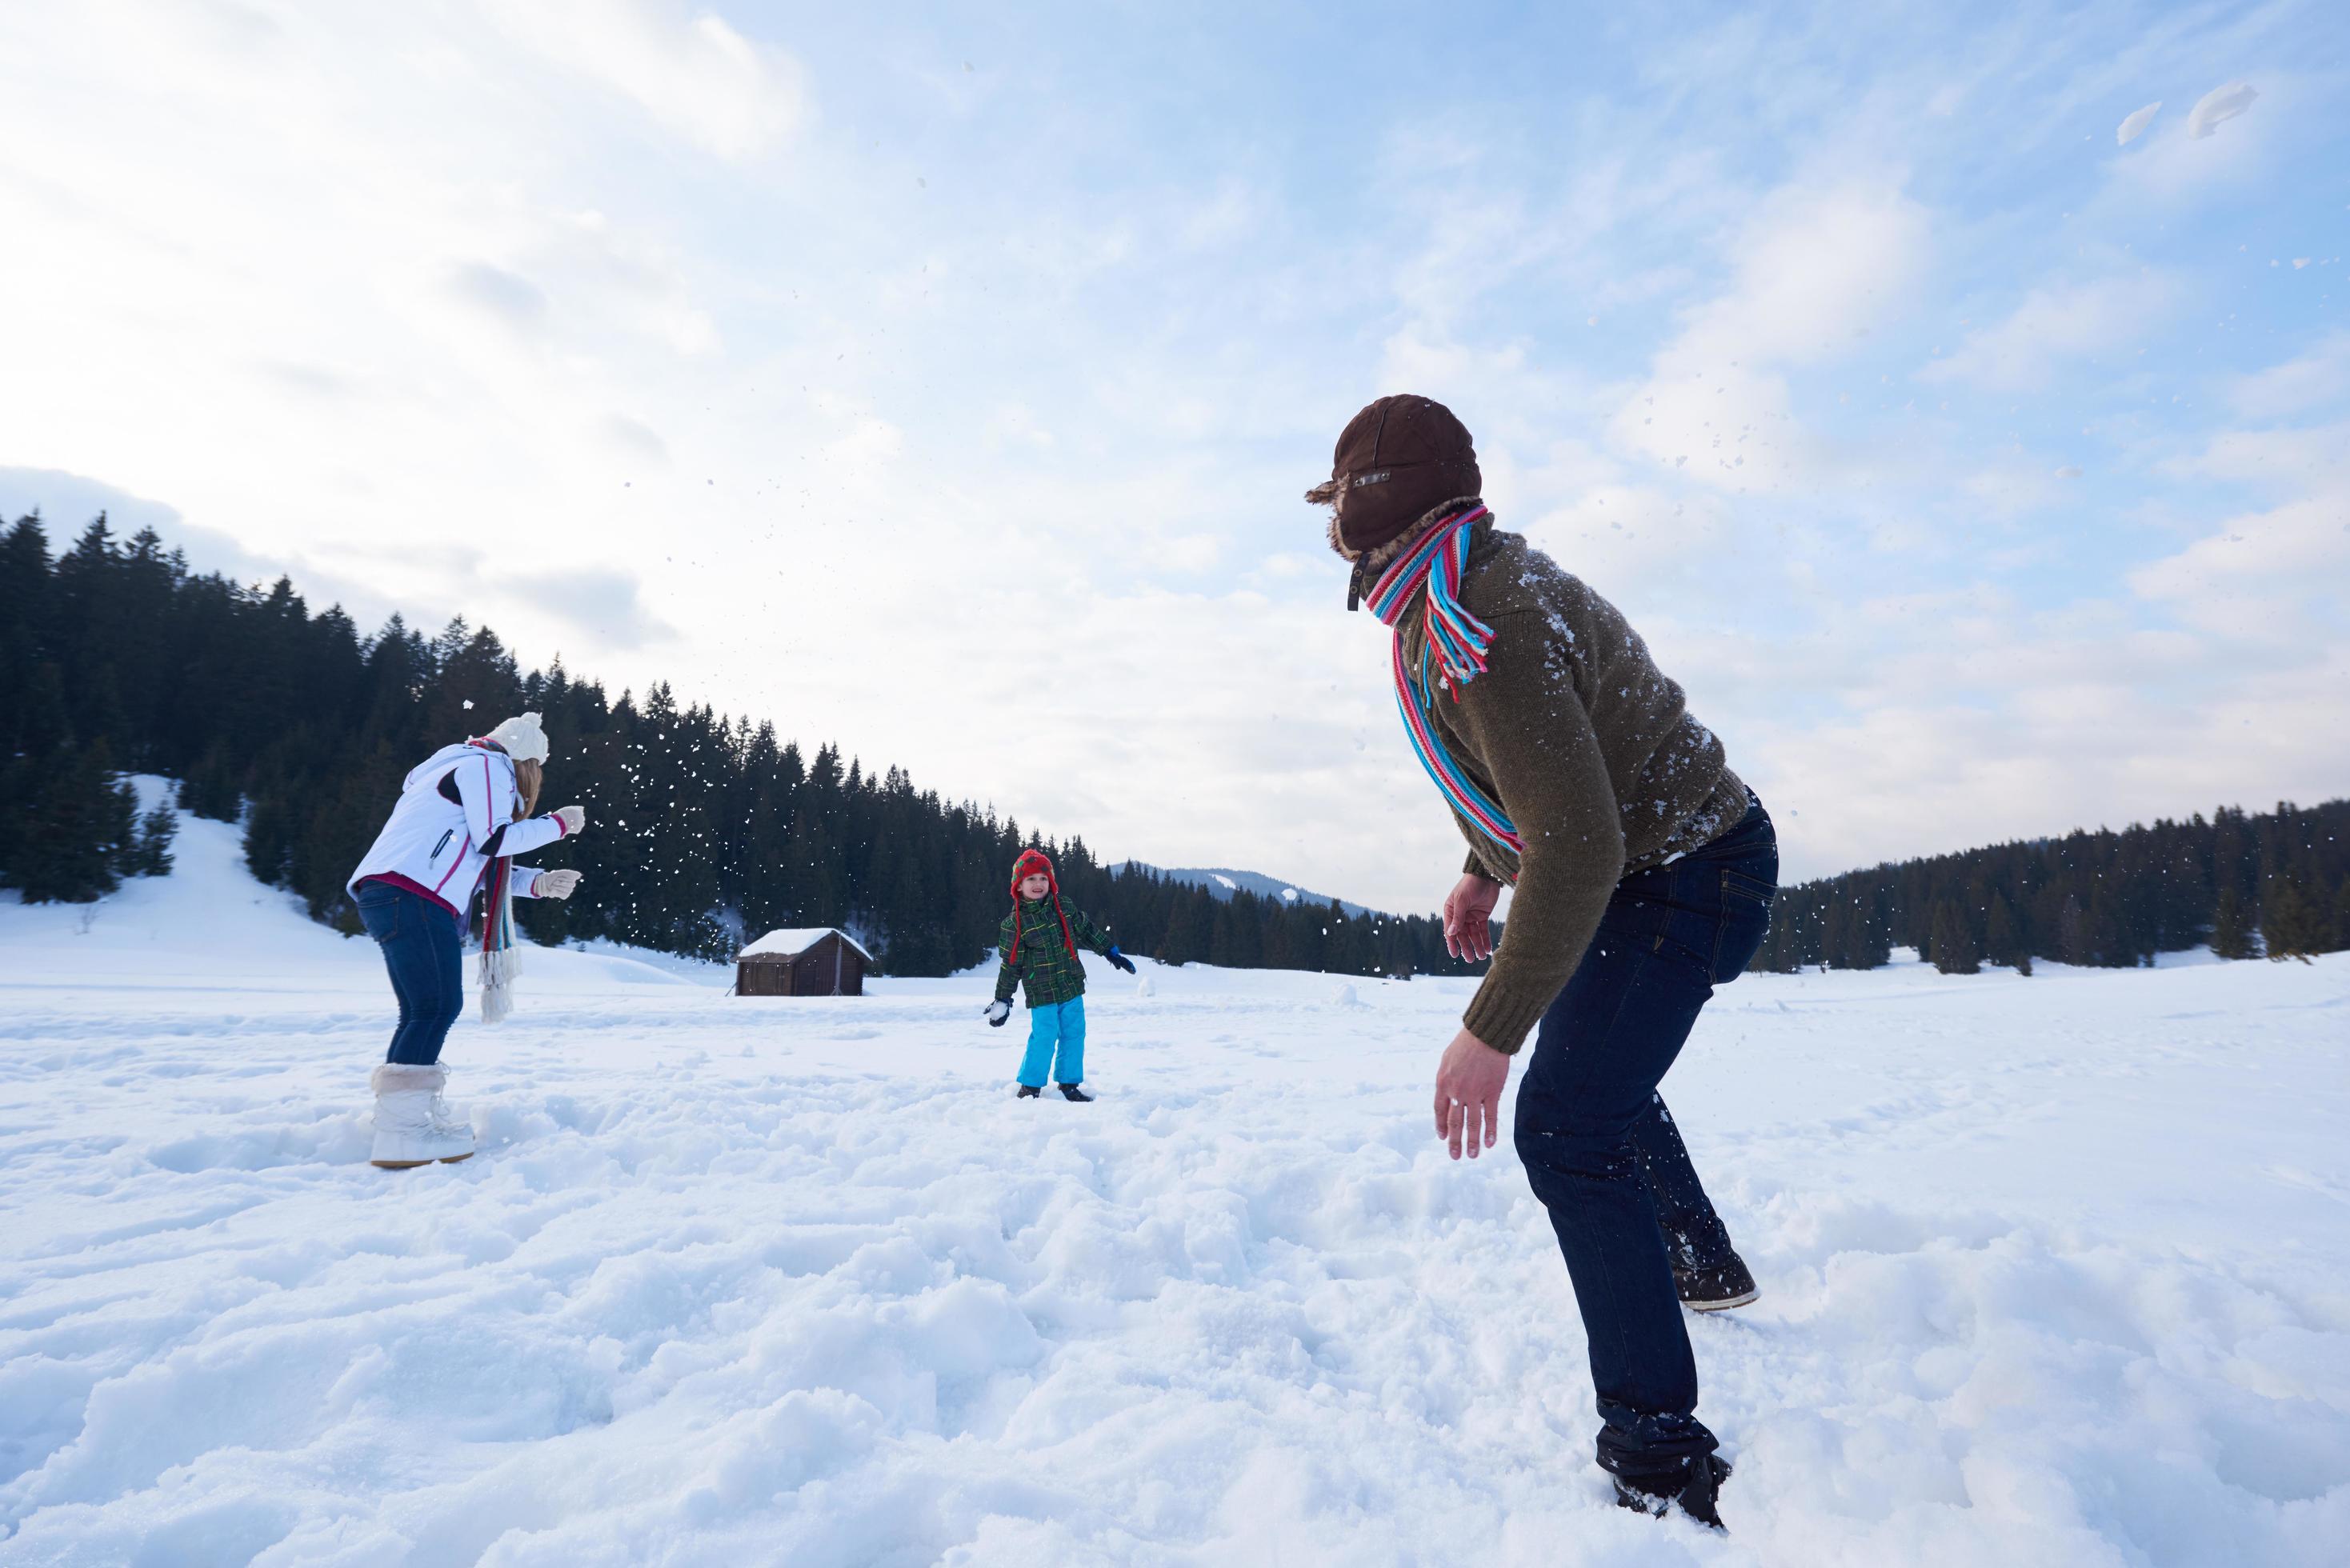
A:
(1070, 1091)
(1028, 1092)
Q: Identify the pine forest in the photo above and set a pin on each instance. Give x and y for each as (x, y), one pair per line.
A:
(118, 659)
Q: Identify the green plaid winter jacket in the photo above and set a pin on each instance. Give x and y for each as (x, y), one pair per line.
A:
(1048, 970)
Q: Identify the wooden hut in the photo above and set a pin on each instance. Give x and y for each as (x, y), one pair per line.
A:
(819, 961)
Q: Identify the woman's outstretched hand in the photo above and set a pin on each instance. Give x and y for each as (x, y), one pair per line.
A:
(573, 818)
(1469, 1083)
(1468, 915)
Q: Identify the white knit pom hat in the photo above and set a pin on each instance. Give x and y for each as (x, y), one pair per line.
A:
(521, 736)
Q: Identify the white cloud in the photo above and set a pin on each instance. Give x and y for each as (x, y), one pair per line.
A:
(1815, 270)
(2015, 485)
(2320, 376)
(509, 297)
(2277, 579)
(2056, 325)
(690, 70)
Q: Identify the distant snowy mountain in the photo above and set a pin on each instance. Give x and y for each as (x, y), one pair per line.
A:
(1224, 883)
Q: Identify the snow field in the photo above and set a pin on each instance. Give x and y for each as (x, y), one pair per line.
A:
(2054, 1270)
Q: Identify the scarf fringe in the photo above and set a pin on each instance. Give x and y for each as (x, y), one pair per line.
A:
(501, 960)
(497, 985)
(1455, 643)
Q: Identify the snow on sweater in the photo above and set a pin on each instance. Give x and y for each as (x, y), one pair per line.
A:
(441, 847)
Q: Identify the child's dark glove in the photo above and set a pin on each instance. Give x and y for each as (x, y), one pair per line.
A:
(997, 1011)
(1119, 959)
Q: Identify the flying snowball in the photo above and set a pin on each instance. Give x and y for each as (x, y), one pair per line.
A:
(2135, 126)
(2221, 103)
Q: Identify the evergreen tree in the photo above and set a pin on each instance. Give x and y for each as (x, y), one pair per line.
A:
(2003, 936)
(72, 850)
(2292, 925)
(211, 790)
(2231, 930)
(1953, 946)
(2072, 932)
(151, 855)
(269, 839)
(42, 726)
(24, 610)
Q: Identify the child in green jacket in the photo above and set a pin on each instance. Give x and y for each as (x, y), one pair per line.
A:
(1039, 941)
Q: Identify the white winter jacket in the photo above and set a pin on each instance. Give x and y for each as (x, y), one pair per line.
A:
(440, 848)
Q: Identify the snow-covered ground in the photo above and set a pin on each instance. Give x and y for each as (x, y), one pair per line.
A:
(2055, 1270)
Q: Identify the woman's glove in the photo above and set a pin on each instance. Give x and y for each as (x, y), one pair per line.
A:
(997, 1011)
(573, 818)
(556, 884)
(1119, 959)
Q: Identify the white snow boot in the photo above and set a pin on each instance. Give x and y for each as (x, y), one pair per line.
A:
(413, 1126)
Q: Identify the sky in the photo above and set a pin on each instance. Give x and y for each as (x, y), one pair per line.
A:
(943, 383)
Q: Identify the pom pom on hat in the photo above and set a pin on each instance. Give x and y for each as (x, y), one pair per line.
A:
(523, 739)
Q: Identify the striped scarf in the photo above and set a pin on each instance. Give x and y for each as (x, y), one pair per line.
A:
(1455, 643)
(500, 957)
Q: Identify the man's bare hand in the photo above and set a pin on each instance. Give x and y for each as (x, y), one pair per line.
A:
(1469, 1083)
(1468, 915)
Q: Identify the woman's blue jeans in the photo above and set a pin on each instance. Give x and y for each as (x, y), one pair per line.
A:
(1589, 1119)
(423, 947)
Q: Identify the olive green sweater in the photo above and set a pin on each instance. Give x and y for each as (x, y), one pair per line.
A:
(1591, 750)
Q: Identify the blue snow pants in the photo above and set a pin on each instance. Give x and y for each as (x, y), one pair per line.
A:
(1064, 1027)
(1589, 1119)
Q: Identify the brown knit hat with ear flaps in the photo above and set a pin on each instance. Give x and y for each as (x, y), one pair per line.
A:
(1397, 458)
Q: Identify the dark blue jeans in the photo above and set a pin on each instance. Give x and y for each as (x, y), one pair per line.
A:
(1694, 1235)
(1589, 1119)
(423, 947)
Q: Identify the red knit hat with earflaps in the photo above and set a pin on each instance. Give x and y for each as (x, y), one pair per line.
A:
(1036, 862)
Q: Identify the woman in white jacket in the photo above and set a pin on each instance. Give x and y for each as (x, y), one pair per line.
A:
(465, 812)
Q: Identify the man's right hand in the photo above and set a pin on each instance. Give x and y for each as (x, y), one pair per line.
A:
(1468, 914)
(997, 1011)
